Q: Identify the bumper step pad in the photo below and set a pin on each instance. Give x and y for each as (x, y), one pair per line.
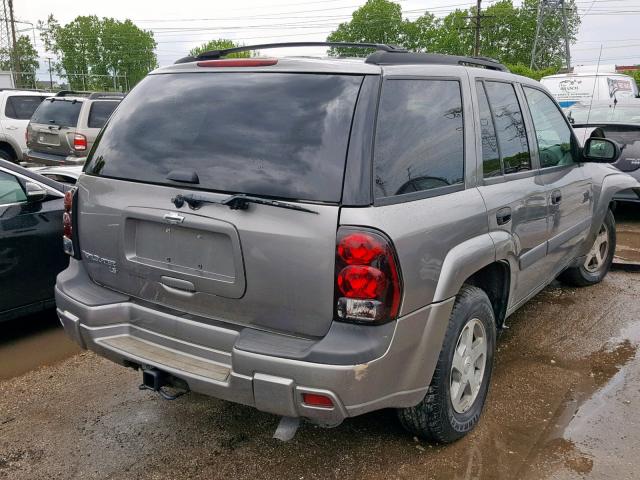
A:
(144, 351)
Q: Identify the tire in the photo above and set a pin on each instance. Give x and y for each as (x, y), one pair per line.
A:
(4, 155)
(595, 267)
(436, 418)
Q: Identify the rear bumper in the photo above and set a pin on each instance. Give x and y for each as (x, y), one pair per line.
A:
(216, 358)
(41, 158)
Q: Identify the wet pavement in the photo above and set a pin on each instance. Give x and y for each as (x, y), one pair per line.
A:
(563, 404)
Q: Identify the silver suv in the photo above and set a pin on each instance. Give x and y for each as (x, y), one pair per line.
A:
(323, 237)
(64, 127)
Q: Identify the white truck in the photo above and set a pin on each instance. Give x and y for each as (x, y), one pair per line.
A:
(590, 82)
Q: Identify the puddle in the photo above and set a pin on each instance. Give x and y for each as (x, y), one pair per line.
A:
(31, 342)
(586, 410)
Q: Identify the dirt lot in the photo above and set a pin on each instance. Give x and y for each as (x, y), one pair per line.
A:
(564, 404)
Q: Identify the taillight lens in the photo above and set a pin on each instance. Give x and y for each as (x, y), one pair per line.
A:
(79, 142)
(368, 287)
(67, 223)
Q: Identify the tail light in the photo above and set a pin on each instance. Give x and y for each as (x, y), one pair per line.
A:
(368, 287)
(69, 235)
(79, 142)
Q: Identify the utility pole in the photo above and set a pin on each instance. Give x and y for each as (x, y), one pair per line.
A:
(476, 49)
(16, 57)
(50, 75)
(548, 30)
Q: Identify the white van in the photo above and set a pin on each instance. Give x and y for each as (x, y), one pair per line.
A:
(590, 82)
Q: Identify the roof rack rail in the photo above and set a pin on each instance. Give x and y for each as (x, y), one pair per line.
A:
(106, 95)
(72, 93)
(38, 90)
(214, 54)
(404, 58)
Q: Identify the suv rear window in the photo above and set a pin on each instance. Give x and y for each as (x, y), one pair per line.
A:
(58, 112)
(274, 134)
(21, 107)
(100, 112)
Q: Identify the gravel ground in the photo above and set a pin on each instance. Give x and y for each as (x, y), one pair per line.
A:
(566, 369)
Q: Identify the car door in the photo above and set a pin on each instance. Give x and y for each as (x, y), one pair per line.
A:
(569, 190)
(30, 244)
(513, 191)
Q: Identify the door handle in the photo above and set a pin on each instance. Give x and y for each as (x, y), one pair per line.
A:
(173, 218)
(11, 128)
(503, 216)
(556, 197)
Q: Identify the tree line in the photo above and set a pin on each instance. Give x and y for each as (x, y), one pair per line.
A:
(104, 53)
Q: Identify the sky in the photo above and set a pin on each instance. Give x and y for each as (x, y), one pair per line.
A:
(179, 26)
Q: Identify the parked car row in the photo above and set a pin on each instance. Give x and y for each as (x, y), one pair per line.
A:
(44, 129)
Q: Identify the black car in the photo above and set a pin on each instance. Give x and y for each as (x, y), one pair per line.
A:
(31, 255)
(617, 121)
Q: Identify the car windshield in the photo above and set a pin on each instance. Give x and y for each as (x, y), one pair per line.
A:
(56, 111)
(619, 113)
(272, 134)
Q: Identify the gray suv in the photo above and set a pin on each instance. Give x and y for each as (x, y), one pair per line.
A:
(64, 127)
(323, 237)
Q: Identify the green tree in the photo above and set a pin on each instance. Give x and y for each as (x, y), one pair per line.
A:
(27, 62)
(507, 33)
(99, 53)
(525, 71)
(219, 44)
(377, 21)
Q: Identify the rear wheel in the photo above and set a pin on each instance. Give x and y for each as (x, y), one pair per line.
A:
(6, 155)
(454, 400)
(599, 259)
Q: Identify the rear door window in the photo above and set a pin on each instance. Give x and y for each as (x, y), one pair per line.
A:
(63, 113)
(100, 112)
(282, 135)
(419, 142)
(21, 107)
(491, 165)
(509, 124)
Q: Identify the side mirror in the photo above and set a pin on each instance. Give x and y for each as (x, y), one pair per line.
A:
(601, 150)
(35, 193)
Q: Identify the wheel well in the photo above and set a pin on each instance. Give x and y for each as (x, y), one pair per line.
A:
(495, 280)
(9, 149)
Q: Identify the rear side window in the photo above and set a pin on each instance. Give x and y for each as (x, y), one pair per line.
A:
(63, 113)
(21, 107)
(100, 112)
(419, 137)
(273, 134)
(512, 136)
(491, 165)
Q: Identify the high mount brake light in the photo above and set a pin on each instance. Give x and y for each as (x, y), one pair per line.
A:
(368, 287)
(239, 62)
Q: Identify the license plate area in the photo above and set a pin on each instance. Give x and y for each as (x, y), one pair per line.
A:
(51, 139)
(203, 251)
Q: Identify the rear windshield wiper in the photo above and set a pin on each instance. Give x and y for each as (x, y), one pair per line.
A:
(235, 202)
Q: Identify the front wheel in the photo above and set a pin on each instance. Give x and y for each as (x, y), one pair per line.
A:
(599, 259)
(454, 400)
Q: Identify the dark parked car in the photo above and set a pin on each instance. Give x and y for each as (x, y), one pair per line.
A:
(31, 207)
(617, 121)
